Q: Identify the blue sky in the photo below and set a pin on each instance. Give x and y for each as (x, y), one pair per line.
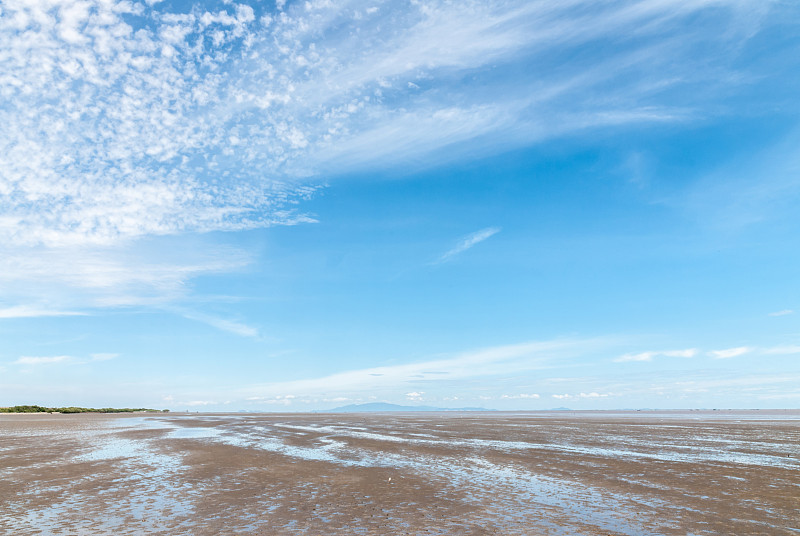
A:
(299, 205)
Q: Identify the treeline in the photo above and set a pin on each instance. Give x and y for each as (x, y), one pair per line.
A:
(73, 409)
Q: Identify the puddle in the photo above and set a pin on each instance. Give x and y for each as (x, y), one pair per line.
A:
(194, 433)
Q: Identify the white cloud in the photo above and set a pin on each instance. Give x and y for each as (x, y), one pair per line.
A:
(522, 396)
(144, 272)
(124, 120)
(50, 360)
(648, 356)
(415, 395)
(28, 311)
(483, 363)
(27, 360)
(730, 352)
(784, 312)
(593, 394)
(642, 356)
(782, 350)
(149, 122)
(469, 241)
(231, 326)
(689, 352)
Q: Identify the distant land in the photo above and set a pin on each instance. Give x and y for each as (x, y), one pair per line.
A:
(73, 409)
(383, 406)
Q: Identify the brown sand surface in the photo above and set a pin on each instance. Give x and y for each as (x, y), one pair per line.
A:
(559, 473)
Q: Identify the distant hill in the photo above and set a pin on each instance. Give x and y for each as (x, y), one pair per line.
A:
(385, 407)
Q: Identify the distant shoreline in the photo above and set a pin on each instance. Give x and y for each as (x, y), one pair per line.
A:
(565, 412)
(27, 409)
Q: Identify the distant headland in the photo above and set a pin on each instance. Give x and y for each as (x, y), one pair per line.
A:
(73, 409)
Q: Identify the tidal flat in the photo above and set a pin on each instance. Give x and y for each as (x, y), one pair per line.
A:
(535, 473)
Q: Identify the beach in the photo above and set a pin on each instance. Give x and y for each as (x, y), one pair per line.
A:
(525, 473)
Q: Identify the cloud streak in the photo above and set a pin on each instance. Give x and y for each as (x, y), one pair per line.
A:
(783, 350)
(484, 363)
(64, 359)
(224, 324)
(730, 352)
(648, 356)
(28, 311)
(28, 360)
(468, 242)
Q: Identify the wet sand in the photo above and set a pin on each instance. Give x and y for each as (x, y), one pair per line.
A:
(560, 473)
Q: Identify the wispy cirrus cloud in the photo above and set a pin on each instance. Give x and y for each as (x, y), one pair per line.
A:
(729, 199)
(145, 273)
(649, 355)
(124, 119)
(783, 350)
(64, 359)
(134, 119)
(476, 364)
(48, 360)
(727, 353)
(468, 242)
(224, 324)
(783, 312)
(30, 311)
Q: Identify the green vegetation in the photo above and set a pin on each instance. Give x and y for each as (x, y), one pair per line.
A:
(73, 409)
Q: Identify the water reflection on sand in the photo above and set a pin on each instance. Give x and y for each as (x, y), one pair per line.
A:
(589, 473)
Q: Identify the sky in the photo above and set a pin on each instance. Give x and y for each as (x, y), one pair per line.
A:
(294, 206)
